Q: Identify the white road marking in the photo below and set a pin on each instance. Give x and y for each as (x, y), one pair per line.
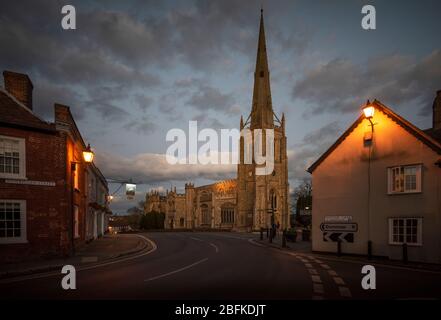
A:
(89, 259)
(308, 265)
(318, 288)
(361, 262)
(332, 273)
(57, 273)
(312, 271)
(316, 279)
(339, 281)
(176, 271)
(325, 266)
(256, 243)
(318, 261)
(197, 239)
(214, 246)
(345, 292)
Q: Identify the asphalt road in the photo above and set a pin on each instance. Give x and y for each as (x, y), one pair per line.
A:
(227, 266)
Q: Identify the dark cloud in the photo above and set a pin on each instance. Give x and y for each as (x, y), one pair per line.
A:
(341, 85)
(144, 102)
(207, 97)
(142, 126)
(312, 146)
(46, 94)
(150, 168)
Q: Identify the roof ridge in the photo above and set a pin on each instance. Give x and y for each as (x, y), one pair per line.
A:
(13, 98)
(406, 124)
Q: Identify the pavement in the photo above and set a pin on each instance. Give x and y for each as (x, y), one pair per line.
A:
(232, 266)
(305, 247)
(106, 248)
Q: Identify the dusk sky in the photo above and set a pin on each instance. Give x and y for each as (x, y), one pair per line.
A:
(132, 70)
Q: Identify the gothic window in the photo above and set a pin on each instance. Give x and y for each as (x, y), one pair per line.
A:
(206, 217)
(273, 199)
(227, 214)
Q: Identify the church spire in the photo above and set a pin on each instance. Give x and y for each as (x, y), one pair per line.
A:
(262, 110)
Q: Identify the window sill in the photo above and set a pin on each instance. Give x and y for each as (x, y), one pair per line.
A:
(12, 177)
(409, 244)
(13, 241)
(403, 193)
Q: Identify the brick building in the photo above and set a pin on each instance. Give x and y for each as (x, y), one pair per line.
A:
(43, 177)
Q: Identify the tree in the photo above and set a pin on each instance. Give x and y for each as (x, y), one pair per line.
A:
(152, 221)
(302, 199)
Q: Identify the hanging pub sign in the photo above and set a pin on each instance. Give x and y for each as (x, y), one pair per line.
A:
(130, 191)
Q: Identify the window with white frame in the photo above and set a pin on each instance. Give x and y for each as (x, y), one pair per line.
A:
(404, 179)
(12, 221)
(76, 222)
(12, 158)
(405, 230)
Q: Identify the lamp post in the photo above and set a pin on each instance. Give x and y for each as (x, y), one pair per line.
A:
(369, 111)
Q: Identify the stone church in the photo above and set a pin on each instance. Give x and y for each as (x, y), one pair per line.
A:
(249, 202)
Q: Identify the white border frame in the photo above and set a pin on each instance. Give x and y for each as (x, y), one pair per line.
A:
(22, 151)
(23, 217)
(419, 242)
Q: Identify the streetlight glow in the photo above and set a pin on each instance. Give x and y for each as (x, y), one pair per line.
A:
(88, 154)
(369, 111)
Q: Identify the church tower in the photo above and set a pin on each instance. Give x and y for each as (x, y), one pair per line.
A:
(263, 199)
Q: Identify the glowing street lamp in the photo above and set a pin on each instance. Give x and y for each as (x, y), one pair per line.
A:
(368, 111)
(88, 154)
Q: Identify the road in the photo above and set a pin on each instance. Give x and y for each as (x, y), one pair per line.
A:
(227, 266)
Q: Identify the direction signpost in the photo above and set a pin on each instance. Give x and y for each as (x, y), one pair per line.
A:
(342, 227)
(338, 229)
(338, 236)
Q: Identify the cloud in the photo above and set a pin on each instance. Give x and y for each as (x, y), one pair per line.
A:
(207, 97)
(144, 102)
(341, 85)
(312, 146)
(150, 168)
(144, 125)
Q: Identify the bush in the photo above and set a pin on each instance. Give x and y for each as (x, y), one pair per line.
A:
(291, 235)
(152, 221)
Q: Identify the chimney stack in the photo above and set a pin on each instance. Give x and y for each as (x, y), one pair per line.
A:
(437, 111)
(20, 86)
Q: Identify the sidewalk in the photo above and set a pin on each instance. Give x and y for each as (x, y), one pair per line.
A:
(305, 247)
(99, 250)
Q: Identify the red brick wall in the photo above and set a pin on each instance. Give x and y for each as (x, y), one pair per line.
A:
(47, 207)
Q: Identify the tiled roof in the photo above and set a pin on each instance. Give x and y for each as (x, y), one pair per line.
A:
(14, 113)
(435, 134)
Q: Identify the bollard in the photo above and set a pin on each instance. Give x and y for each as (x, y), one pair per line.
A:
(261, 233)
(339, 247)
(270, 236)
(283, 239)
(369, 250)
(405, 252)
(267, 231)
